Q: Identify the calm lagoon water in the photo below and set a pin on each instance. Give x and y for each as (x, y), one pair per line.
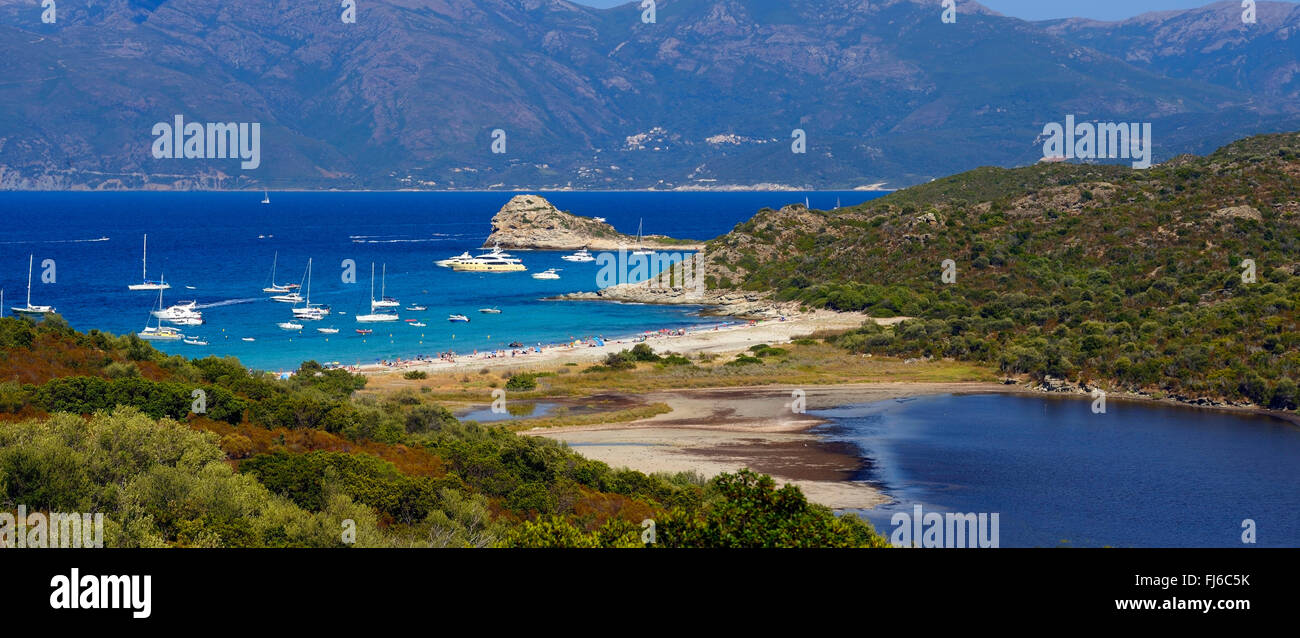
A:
(1141, 475)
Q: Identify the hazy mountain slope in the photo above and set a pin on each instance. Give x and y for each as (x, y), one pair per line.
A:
(409, 95)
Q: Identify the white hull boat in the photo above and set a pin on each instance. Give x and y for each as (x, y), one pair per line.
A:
(29, 309)
(144, 273)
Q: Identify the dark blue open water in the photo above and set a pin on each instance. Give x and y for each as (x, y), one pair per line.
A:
(1141, 475)
(211, 241)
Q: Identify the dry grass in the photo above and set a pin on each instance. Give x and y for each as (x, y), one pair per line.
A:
(818, 364)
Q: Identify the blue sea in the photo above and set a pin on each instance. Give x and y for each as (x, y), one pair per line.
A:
(1140, 475)
(217, 248)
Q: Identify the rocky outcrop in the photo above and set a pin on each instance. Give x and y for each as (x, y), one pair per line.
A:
(1237, 212)
(531, 222)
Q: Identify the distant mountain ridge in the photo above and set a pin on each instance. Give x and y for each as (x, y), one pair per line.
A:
(707, 97)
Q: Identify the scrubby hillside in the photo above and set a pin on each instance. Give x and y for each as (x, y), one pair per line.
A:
(96, 423)
(1132, 278)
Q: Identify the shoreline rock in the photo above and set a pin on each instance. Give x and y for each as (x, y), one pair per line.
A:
(728, 303)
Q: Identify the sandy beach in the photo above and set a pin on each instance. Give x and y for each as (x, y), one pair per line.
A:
(722, 430)
(724, 337)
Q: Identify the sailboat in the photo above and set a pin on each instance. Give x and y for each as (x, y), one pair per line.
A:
(375, 317)
(640, 250)
(274, 287)
(309, 311)
(294, 297)
(144, 273)
(384, 301)
(266, 197)
(29, 309)
(160, 332)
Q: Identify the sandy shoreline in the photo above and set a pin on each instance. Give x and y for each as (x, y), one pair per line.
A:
(722, 338)
(711, 431)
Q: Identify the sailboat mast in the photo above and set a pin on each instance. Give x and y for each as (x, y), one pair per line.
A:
(309, 282)
(144, 260)
(29, 280)
(372, 285)
(383, 284)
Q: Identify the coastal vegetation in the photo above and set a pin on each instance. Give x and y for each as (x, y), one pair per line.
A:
(101, 423)
(1181, 280)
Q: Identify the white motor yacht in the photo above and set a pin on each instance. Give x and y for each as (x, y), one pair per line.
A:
(582, 256)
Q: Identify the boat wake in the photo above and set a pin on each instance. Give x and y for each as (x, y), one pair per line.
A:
(56, 241)
(229, 302)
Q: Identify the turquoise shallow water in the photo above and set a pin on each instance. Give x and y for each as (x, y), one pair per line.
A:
(222, 245)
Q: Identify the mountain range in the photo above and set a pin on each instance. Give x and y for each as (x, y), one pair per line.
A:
(417, 93)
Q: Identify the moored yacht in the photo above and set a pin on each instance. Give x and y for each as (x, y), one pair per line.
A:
(310, 311)
(640, 250)
(29, 309)
(147, 284)
(582, 256)
(375, 317)
(448, 262)
(549, 273)
(384, 301)
(274, 287)
(494, 261)
(160, 332)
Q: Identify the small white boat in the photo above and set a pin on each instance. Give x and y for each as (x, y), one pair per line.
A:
(490, 311)
(375, 317)
(186, 321)
(144, 273)
(549, 273)
(29, 309)
(274, 287)
(195, 342)
(582, 256)
(248, 339)
(180, 310)
(416, 308)
(599, 219)
(383, 301)
(310, 311)
(418, 325)
(457, 318)
(190, 288)
(290, 325)
(292, 297)
(266, 197)
(640, 250)
(328, 331)
(161, 333)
